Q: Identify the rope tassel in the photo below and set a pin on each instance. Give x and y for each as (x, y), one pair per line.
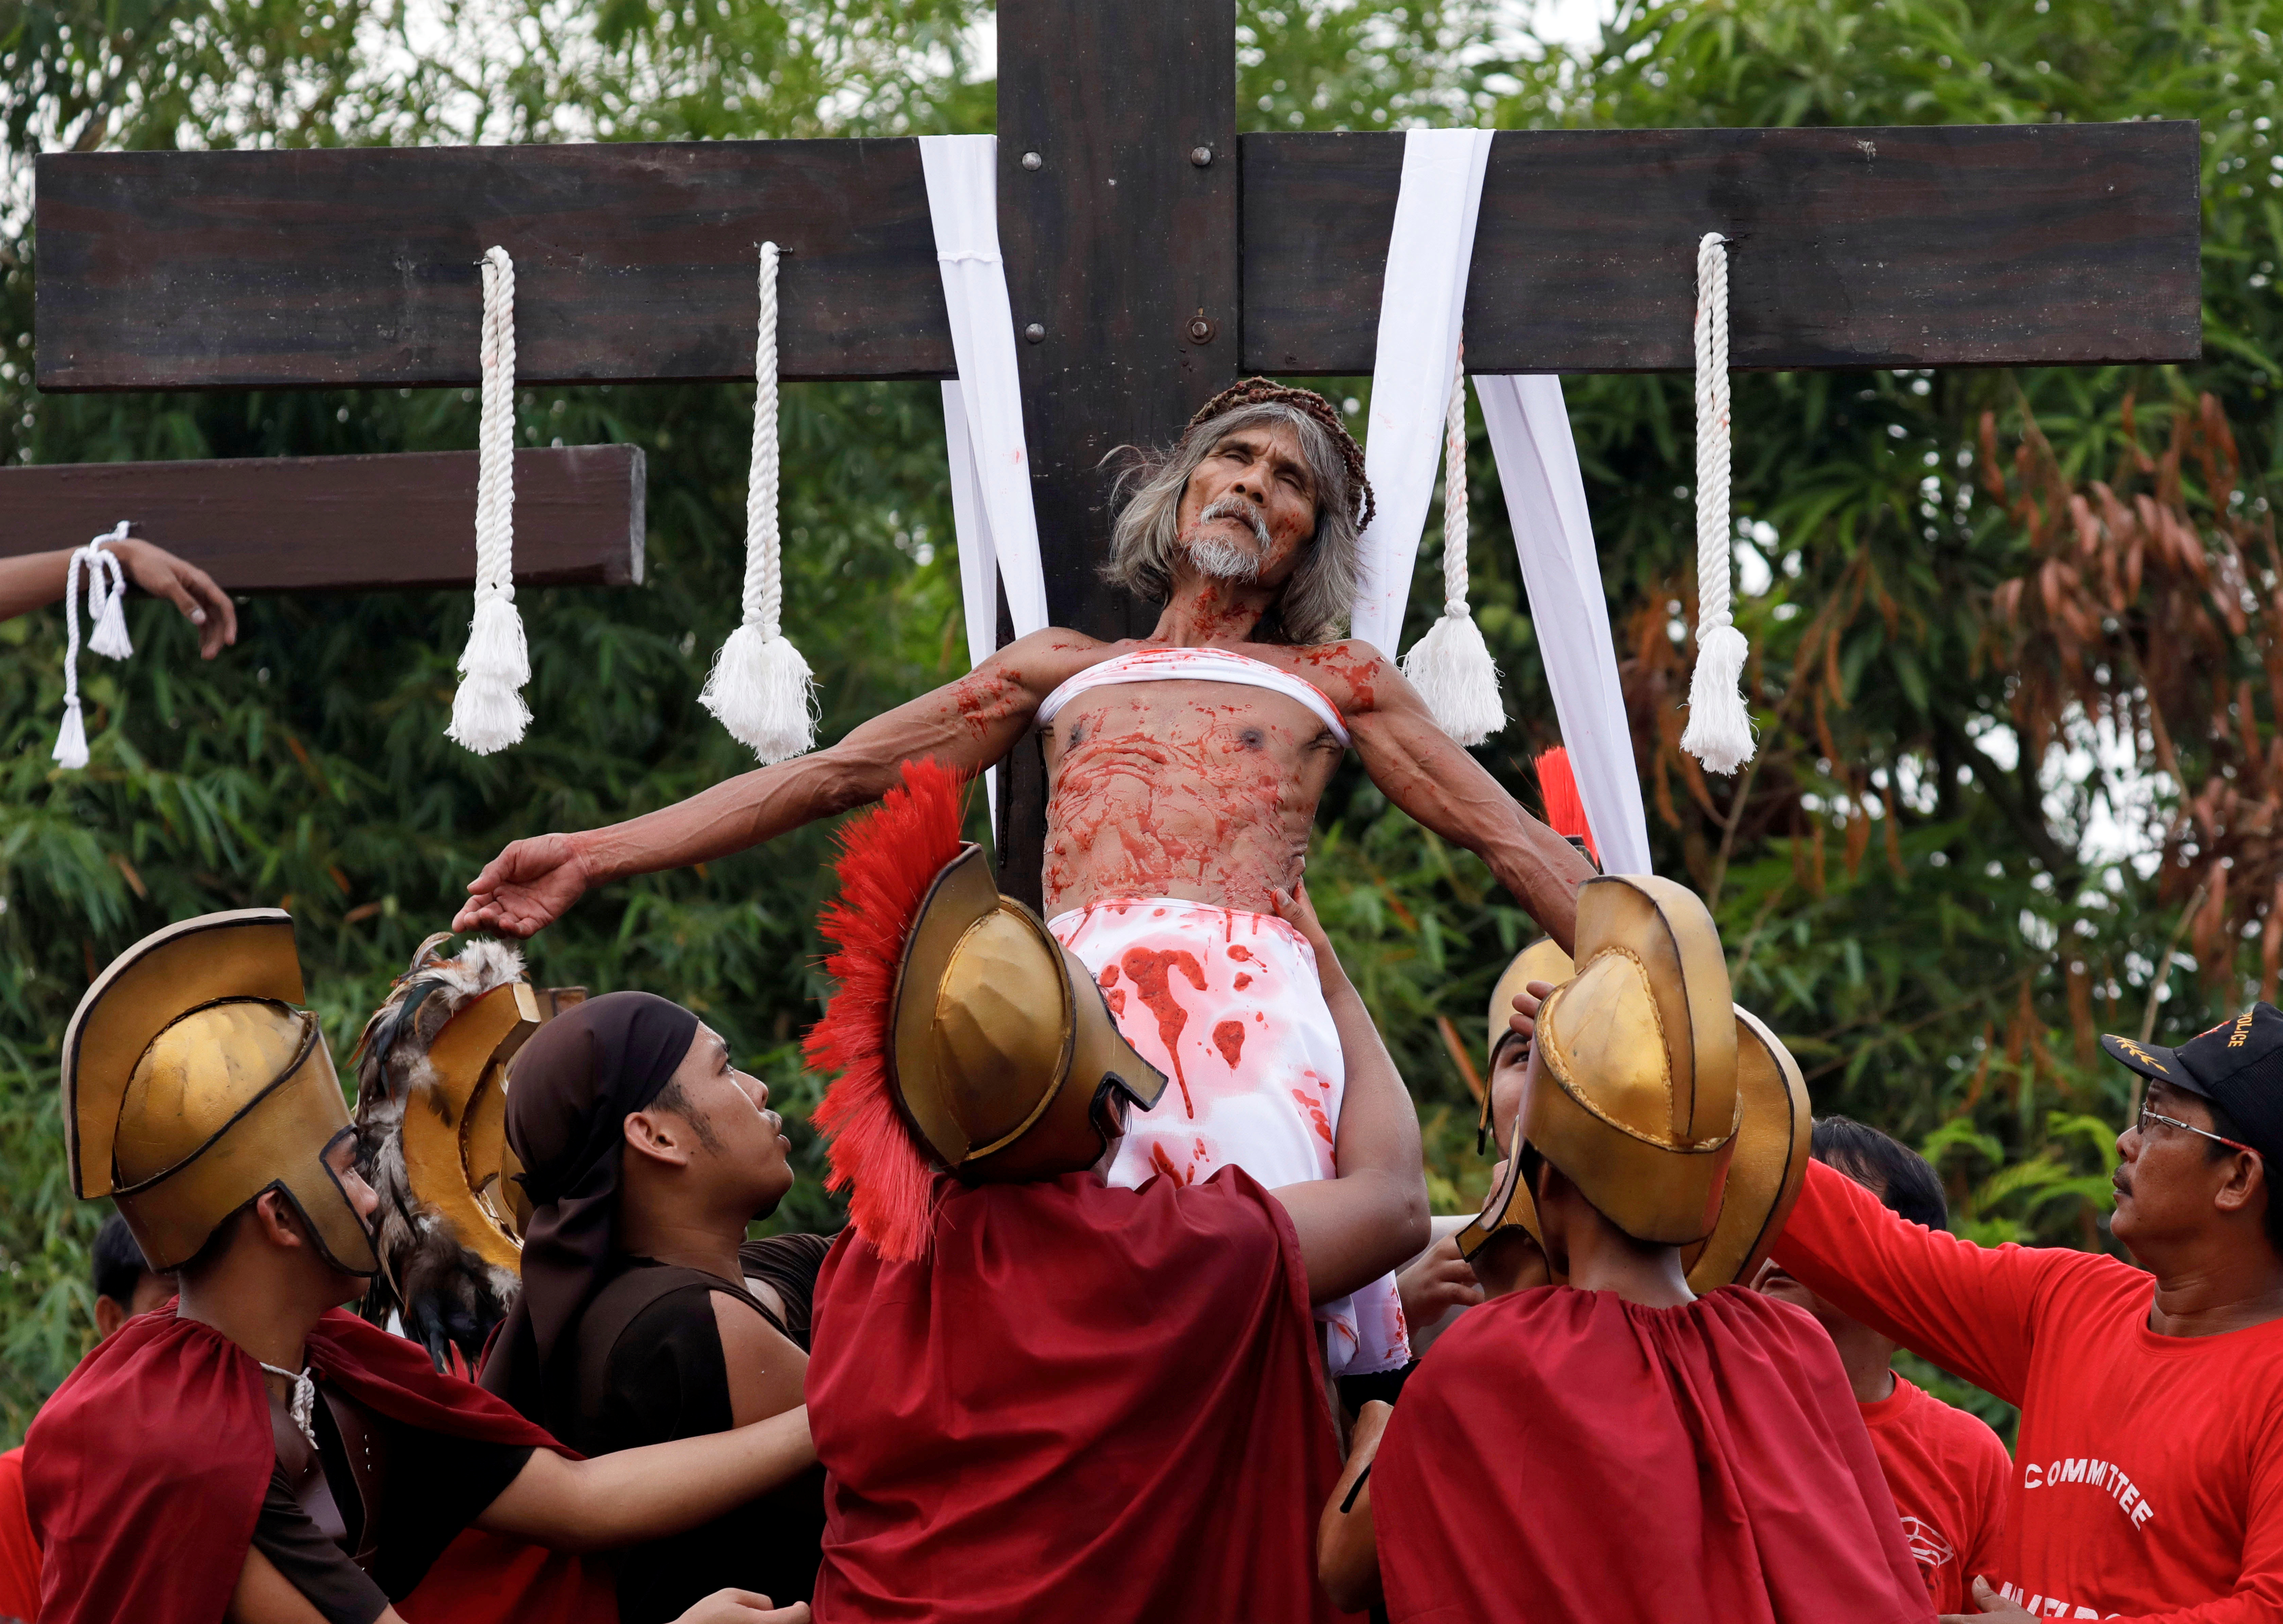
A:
(760, 688)
(1450, 665)
(1719, 731)
(488, 713)
(106, 594)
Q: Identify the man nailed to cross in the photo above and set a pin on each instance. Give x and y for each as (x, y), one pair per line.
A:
(1184, 772)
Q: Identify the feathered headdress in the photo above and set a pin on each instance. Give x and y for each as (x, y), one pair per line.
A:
(889, 856)
(1565, 808)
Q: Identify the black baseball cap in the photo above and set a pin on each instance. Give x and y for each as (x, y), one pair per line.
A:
(2237, 1066)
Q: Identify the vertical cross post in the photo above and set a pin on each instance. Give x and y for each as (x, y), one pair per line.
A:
(1117, 215)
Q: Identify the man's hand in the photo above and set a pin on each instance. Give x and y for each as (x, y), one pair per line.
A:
(187, 587)
(1527, 1002)
(1438, 1282)
(1992, 1605)
(526, 887)
(1294, 908)
(743, 1607)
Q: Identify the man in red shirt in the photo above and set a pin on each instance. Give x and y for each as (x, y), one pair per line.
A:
(2150, 1482)
(1948, 1470)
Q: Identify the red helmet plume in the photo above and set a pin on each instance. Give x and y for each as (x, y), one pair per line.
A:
(889, 856)
(1565, 809)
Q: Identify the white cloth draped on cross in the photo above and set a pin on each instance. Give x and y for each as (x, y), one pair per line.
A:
(997, 527)
(106, 617)
(1417, 412)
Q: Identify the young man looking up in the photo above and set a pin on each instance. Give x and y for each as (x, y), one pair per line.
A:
(1720, 1426)
(257, 1452)
(2150, 1477)
(645, 1314)
(1949, 1471)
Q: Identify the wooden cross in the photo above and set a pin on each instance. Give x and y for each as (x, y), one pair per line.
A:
(1152, 256)
(345, 524)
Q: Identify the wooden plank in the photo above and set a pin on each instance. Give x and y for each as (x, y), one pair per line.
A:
(1117, 241)
(345, 524)
(1928, 245)
(325, 268)
(1920, 246)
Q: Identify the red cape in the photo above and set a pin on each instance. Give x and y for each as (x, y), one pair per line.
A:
(1563, 1454)
(1083, 1404)
(145, 1472)
(20, 1556)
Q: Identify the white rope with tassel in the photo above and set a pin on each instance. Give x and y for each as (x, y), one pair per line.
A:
(1719, 731)
(760, 688)
(1450, 665)
(488, 713)
(106, 615)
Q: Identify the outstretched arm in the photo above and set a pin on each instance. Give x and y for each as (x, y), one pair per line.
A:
(1364, 1224)
(971, 723)
(1423, 769)
(647, 1493)
(34, 579)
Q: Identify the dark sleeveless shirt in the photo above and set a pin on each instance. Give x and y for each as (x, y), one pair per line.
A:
(648, 1369)
(355, 1522)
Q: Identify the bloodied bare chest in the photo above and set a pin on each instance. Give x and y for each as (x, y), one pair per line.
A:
(1199, 790)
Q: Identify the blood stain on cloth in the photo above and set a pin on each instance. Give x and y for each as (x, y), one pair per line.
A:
(1241, 982)
(1228, 1037)
(1165, 1165)
(1149, 971)
(1315, 1112)
(1112, 994)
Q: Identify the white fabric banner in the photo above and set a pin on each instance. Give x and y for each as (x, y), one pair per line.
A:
(1554, 537)
(1420, 306)
(998, 529)
(979, 559)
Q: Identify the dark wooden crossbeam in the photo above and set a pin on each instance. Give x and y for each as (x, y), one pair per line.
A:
(1917, 246)
(302, 524)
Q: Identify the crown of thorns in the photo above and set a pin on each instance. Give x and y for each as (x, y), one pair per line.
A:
(1261, 391)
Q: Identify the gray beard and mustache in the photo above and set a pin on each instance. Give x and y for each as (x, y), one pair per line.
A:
(1220, 558)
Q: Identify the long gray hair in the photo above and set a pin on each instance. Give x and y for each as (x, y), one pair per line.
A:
(1143, 542)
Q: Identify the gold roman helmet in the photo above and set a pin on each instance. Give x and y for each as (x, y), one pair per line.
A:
(458, 1162)
(1770, 1164)
(1634, 1095)
(193, 1082)
(1003, 1057)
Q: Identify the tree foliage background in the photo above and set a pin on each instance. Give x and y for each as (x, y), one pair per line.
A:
(2017, 666)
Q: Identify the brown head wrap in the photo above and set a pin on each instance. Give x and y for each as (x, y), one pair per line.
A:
(1261, 391)
(570, 1092)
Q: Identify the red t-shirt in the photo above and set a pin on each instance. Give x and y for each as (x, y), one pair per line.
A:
(2151, 1468)
(1948, 1473)
(20, 1553)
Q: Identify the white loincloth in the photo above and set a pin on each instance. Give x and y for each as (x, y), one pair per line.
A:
(1227, 1004)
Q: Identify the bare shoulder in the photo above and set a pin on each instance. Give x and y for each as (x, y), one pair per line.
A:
(766, 1368)
(1046, 660)
(1356, 677)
